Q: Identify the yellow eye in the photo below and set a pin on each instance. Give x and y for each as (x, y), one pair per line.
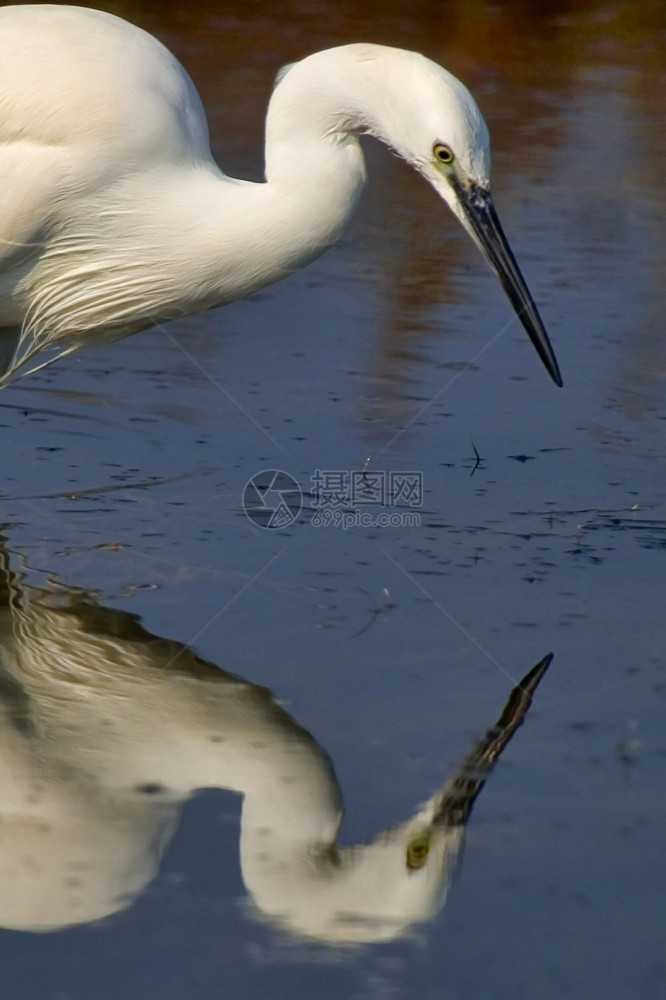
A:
(443, 153)
(417, 852)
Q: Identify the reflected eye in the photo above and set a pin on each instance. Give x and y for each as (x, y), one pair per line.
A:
(417, 852)
(443, 153)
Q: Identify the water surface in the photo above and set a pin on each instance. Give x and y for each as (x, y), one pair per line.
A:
(542, 527)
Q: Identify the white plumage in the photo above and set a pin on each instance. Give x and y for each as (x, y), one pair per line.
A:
(114, 216)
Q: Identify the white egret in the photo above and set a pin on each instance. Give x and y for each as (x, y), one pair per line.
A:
(114, 216)
(106, 730)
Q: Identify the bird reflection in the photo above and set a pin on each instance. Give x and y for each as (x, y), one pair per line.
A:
(106, 730)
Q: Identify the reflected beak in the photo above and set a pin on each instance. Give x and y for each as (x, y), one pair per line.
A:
(480, 217)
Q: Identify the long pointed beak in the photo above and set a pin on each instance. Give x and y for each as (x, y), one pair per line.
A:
(481, 218)
(462, 790)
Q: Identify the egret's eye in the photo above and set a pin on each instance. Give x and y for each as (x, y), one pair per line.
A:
(417, 852)
(443, 153)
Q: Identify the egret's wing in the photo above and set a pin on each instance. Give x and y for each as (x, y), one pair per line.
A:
(28, 186)
(85, 100)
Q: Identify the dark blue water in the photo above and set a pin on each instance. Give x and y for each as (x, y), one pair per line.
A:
(542, 527)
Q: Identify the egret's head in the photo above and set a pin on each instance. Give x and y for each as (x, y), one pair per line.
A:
(430, 119)
(373, 892)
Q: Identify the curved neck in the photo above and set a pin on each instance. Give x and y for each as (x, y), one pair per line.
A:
(226, 238)
(315, 172)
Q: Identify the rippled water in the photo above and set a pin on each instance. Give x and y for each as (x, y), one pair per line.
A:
(388, 650)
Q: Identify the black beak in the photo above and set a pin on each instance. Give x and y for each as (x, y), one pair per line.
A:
(462, 790)
(479, 211)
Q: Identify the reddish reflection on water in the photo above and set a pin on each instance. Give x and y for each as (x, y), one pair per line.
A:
(540, 71)
(571, 92)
